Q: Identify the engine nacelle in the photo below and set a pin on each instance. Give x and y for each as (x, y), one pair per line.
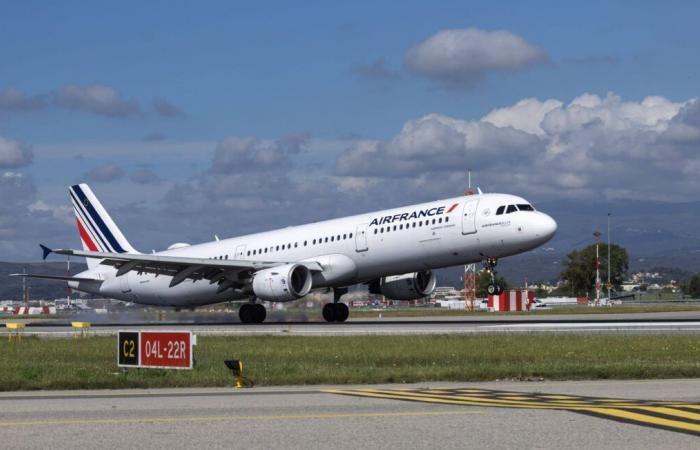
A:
(409, 286)
(283, 283)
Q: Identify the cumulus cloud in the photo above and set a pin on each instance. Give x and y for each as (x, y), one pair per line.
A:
(12, 99)
(145, 176)
(14, 154)
(104, 173)
(591, 147)
(155, 137)
(464, 56)
(376, 71)
(166, 109)
(97, 99)
(235, 153)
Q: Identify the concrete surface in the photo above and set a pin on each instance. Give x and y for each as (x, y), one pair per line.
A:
(305, 417)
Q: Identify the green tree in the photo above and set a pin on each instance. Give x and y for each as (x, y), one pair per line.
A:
(579, 268)
(482, 282)
(694, 286)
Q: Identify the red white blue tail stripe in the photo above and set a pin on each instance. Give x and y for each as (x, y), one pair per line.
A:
(97, 230)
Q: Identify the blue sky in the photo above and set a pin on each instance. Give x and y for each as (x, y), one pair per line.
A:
(180, 78)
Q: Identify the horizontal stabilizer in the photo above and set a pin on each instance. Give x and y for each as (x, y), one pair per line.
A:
(52, 277)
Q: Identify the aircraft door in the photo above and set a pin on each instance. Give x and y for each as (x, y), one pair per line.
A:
(361, 238)
(469, 216)
(240, 252)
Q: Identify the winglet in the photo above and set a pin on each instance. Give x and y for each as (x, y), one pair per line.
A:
(47, 251)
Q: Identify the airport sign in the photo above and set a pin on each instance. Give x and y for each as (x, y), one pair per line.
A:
(156, 349)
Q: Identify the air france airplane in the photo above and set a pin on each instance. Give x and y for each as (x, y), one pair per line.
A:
(392, 251)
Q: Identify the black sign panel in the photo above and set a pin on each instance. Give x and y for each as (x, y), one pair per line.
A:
(128, 349)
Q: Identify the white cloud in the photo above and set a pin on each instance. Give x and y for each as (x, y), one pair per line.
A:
(12, 99)
(97, 99)
(591, 147)
(104, 173)
(464, 56)
(166, 109)
(14, 154)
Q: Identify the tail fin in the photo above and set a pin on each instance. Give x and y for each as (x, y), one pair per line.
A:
(98, 232)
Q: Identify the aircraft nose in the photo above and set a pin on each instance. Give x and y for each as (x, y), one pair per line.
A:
(546, 227)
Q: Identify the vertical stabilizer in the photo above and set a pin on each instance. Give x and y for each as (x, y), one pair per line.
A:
(97, 230)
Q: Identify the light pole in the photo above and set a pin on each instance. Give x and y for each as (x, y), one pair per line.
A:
(609, 261)
(597, 267)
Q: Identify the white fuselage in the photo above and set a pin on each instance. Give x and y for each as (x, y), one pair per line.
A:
(352, 250)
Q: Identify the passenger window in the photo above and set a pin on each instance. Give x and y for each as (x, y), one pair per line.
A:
(500, 210)
(375, 231)
(433, 221)
(295, 245)
(345, 236)
(526, 207)
(511, 209)
(401, 227)
(447, 219)
(381, 230)
(304, 243)
(350, 236)
(326, 240)
(248, 253)
(394, 227)
(440, 220)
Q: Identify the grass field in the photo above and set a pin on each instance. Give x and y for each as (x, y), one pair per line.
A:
(442, 312)
(90, 363)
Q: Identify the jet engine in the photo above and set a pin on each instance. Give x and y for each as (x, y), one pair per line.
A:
(409, 286)
(282, 283)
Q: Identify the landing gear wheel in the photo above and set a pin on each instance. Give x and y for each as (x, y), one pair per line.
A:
(341, 312)
(494, 289)
(329, 312)
(259, 313)
(246, 313)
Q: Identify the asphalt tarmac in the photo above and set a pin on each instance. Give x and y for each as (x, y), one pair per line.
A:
(437, 415)
(639, 323)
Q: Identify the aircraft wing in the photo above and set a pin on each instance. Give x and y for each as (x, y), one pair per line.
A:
(180, 267)
(52, 277)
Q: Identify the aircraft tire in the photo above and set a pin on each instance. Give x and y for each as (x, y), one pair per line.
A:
(341, 312)
(329, 312)
(259, 313)
(492, 289)
(246, 313)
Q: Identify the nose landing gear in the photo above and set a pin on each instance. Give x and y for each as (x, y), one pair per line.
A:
(490, 265)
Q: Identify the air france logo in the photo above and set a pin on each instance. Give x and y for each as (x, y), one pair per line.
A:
(430, 212)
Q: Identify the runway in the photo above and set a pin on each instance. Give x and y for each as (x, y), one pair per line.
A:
(345, 417)
(676, 322)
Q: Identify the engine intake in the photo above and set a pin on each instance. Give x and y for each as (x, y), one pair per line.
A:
(282, 283)
(409, 286)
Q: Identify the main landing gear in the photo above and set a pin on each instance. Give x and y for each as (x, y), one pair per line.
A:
(252, 313)
(490, 265)
(336, 311)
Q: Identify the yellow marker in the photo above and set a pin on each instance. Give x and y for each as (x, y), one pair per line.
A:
(239, 376)
(81, 328)
(15, 330)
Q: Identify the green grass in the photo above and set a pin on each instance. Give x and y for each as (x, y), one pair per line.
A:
(273, 360)
(442, 312)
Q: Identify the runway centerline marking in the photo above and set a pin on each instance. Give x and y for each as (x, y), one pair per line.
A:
(668, 415)
(175, 419)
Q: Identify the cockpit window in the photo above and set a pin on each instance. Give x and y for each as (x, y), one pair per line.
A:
(526, 207)
(511, 209)
(500, 210)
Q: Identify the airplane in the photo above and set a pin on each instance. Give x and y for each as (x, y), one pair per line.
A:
(393, 251)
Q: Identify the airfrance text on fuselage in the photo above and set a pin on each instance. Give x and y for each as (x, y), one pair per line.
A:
(409, 216)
